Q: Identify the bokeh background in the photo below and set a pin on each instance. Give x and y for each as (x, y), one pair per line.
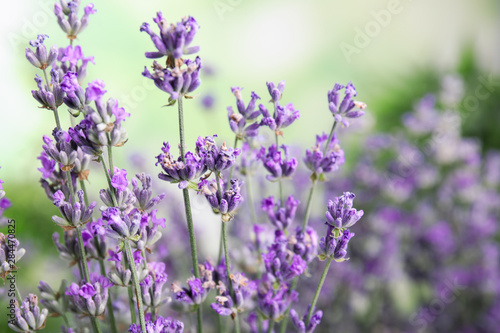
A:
(395, 52)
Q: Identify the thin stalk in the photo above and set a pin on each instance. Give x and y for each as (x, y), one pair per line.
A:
(85, 197)
(153, 313)
(108, 178)
(133, 317)
(237, 324)
(271, 326)
(318, 290)
(329, 138)
(110, 157)
(308, 206)
(187, 207)
(56, 115)
(279, 180)
(18, 294)
(135, 280)
(232, 166)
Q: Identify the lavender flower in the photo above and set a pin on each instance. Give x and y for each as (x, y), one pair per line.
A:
(224, 303)
(89, 298)
(149, 230)
(63, 151)
(346, 107)
(160, 325)
(71, 59)
(281, 216)
(305, 244)
(49, 96)
(279, 166)
(28, 316)
(10, 254)
(197, 289)
(248, 160)
(75, 96)
(178, 81)
(273, 303)
(275, 92)
(144, 195)
(238, 120)
(250, 111)
(95, 90)
(300, 323)
(73, 215)
(283, 117)
(40, 58)
(335, 247)
(216, 159)
(66, 13)
(324, 158)
(120, 225)
(340, 213)
(4, 204)
(152, 286)
(178, 171)
(54, 302)
(85, 137)
(122, 275)
(174, 39)
(228, 203)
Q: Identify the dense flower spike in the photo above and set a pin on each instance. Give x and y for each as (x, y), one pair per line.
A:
(159, 325)
(281, 216)
(177, 81)
(300, 323)
(273, 303)
(49, 96)
(40, 58)
(282, 118)
(10, 254)
(197, 288)
(89, 298)
(66, 13)
(348, 107)
(278, 165)
(152, 286)
(120, 225)
(66, 153)
(73, 215)
(54, 302)
(71, 59)
(275, 91)
(335, 246)
(230, 200)
(340, 213)
(174, 40)
(28, 316)
(216, 159)
(121, 275)
(145, 201)
(75, 96)
(305, 244)
(177, 171)
(225, 304)
(319, 162)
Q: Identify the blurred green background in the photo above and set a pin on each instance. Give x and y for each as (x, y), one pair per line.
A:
(393, 51)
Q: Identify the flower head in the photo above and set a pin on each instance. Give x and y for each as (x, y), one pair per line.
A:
(324, 157)
(66, 13)
(348, 107)
(277, 162)
(40, 58)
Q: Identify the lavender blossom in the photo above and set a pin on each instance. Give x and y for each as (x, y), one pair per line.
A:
(120, 225)
(122, 275)
(224, 303)
(152, 286)
(324, 158)
(305, 244)
(246, 114)
(10, 254)
(300, 323)
(197, 288)
(279, 166)
(4, 204)
(335, 247)
(275, 92)
(250, 111)
(174, 40)
(28, 316)
(63, 151)
(54, 302)
(273, 303)
(348, 107)
(248, 160)
(71, 59)
(282, 118)
(216, 159)
(145, 201)
(159, 325)
(40, 58)
(177, 81)
(75, 96)
(281, 216)
(178, 171)
(89, 298)
(66, 13)
(226, 203)
(340, 213)
(49, 96)
(73, 215)
(149, 233)
(84, 136)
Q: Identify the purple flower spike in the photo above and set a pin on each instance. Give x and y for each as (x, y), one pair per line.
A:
(159, 325)
(300, 323)
(174, 39)
(177, 81)
(75, 96)
(40, 58)
(49, 98)
(324, 158)
(340, 213)
(197, 290)
(283, 117)
(28, 316)
(216, 159)
(348, 107)
(95, 90)
(335, 247)
(177, 171)
(89, 298)
(230, 200)
(280, 216)
(119, 180)
(71, 59)
(275, 92)
(279, 166)
(72, 215)
(66, 13)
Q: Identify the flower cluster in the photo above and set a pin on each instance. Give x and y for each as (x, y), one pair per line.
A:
(28, 316)
(89, 298)
(278, 163)
(67, 17)
(225, 203)
(347, 108)
(246, 114)
(325, 156)
(159, 325)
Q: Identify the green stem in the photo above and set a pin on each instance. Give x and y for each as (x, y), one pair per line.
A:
(135, 280)
(18, 294)
(110, 157)
(308, 206)
(271, 326)
(56, 114)
(282, 203)
(187, 207)
(85, 197)
(232, 166)
(329, 138)
(133, 317)
(108, 178)
(318, 290)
